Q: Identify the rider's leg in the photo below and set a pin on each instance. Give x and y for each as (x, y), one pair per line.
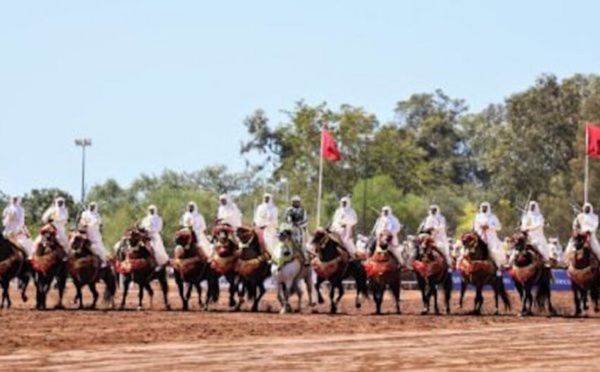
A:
(569, 251)
(396, 251)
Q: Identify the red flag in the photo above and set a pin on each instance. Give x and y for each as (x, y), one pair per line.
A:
(593, 140)
(329, 150)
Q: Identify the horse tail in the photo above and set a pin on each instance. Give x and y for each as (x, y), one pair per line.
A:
(504, 295)
(360, 277)
(110, 280)
(543, 292)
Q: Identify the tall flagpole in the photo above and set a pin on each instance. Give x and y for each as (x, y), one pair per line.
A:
(587, 163)
(320, 181)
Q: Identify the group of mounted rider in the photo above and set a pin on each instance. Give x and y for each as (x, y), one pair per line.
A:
(246, 256)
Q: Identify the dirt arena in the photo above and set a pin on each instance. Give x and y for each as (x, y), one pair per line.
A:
(355, 340)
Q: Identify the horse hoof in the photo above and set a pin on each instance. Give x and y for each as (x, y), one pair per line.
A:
(358, 305)
(139, 308)
(497, 312)
(59, 307)
(312, 304)
(321, 301)
(282, 311)
(168, 307)
(424, 312)
(24, 298)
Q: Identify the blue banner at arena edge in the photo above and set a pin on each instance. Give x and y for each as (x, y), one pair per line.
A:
(561, 281)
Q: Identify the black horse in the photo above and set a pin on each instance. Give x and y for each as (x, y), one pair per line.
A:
(333, 264)
(13, 264)
(136, 262)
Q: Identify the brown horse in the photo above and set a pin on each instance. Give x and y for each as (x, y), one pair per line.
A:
(48, 264)
(431, 270)
(136, 262)
(383, 271)
(584, 272)
(190, 266)
(477, 269)
(86, 269)
(13, 264)
(223, 262)
(333, 264)
(528, 271)
(252, 266)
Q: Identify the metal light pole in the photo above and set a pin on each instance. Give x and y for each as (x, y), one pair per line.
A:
(83, 142)
(365, 139)
(285, 181)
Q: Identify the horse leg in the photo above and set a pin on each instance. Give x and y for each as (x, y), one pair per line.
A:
(242, 287)
(188, 295)
(310, 286)
(180, 289)
(478, 300)
(320, 298)
(333, 308)
(395, 287)
(463, 289)
(285, 297)
(78, 294)
(341, 292)
(94, 291)
(261, 293)
(447, 292)
(150, 291)
(232, 289)
(5, 295)
(25, 278)
(164, 287)
(378, 297)
(435, 298)
(126, 282)
(576, 300)
(61, 281)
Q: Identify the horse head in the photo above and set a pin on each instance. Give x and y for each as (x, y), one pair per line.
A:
(425, 244)
(48, 236)
(80, 243)
(223, 235)
(186, 238)
(384, 239)
(474, 248)
(581, 240)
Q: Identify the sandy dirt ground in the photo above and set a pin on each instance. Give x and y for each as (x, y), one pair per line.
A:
(354, 340)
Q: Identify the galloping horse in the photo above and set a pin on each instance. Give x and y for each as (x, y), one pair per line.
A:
(478, 269)
(383, 271)
(584, 272)
(13, 263)
(223, 262)
(86, 269)
(48, 264)
(528, 271)
(333, 264)
(190, 266)
(431, 270)
(289, 269)
(136, 262)
(252, 265)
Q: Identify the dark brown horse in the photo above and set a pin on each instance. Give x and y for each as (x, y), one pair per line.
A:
(86, 270)
(383, 271)
(477, 269)
(584, 272)
(136, 262)
(13, 264)
(431, 270)
(190, 266)
(48, 263)
(252, 266)
(333, 264)
(528, 272)
(223, 262)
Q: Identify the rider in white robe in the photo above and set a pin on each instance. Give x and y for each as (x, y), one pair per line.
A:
(15, 230)
(343, 224)
(58, 215)
(487, 225)
(387, 221)
(266, 219)
(195, 220)
(532, 223)
(153, 224)
(228, 212)
(435, 223)
(91, 222)
(586, 221)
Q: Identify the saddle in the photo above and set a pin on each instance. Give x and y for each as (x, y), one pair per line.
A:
(380, 264)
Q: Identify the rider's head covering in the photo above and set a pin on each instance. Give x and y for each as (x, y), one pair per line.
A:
(268, 198)
(93, 206)
(590, 206)
(15, 200)
(192, 205)
(534, 207)
(346, 200)
(152, 207)
(485, 204)
(387, 209)
(434, 207)
(58, 200)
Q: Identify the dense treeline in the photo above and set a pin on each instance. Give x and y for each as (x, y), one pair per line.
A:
(434, 151)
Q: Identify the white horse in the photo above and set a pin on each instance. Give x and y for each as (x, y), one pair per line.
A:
(288, 271)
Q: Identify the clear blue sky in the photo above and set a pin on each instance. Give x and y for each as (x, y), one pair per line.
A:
(167, 84)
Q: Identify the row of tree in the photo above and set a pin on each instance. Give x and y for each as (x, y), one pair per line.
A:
(531, 146)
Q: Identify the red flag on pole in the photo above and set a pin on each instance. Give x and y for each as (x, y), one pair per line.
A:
(329, 149)
(593, 140)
